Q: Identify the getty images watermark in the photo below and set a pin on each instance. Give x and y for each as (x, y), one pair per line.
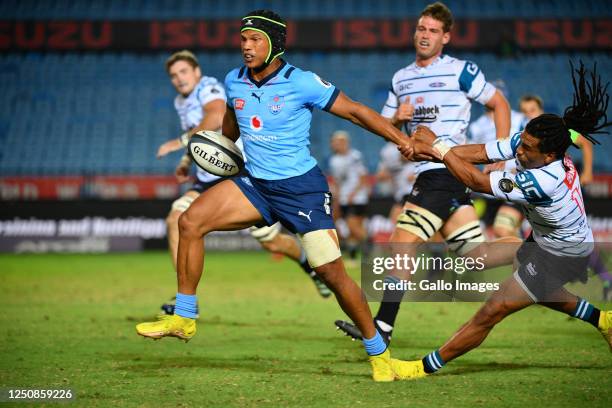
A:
(434, 273)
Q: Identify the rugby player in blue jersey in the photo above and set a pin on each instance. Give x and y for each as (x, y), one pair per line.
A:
(270, 105)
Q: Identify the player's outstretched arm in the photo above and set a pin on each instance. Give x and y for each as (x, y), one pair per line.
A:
(365, 117)
(230, 125)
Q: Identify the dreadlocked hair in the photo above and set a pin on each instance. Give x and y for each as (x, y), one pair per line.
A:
(587, 114)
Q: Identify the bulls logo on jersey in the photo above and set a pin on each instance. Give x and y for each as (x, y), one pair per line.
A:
(256, 123)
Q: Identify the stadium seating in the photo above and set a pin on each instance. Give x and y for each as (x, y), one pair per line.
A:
(167, 9)
(107, 113)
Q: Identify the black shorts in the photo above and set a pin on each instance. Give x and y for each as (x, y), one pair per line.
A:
(440, 192)
(353, 209)
(200, 186)
(541, 273)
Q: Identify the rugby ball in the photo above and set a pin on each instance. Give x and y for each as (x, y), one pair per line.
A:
(215, 153)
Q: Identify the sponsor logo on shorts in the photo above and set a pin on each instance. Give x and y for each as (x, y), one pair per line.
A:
(437, 85)
(531, 269)
(239, 104)
(305, 215)
(256, 123)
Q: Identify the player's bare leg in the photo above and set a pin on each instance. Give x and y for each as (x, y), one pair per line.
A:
(510, 297)
(222, 207)
(349, 295)
(179, 206)
(357, 235)
(507, 222)
(495, 253)
(172, 223)
(566, 302)
(287, 245)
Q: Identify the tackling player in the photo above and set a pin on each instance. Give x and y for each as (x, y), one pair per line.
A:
(547, 187)
(200, 105)
(435, 91)
(270, 105)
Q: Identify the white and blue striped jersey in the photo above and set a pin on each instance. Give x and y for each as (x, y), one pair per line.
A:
(347, 171)
(482, 130)
(550, 197)
(441, 93)
(190, 111)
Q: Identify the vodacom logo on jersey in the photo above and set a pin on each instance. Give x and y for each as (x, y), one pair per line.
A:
(256, 123)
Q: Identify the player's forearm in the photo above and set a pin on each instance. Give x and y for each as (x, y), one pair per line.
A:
(212, 121)
(371, 121)
(472, 153)
(467, 173)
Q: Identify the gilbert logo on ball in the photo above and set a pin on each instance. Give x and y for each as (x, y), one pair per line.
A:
(256, 123)
(215, 153)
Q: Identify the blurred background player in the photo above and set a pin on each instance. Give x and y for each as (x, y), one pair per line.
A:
(482, 130)
(437, 91)
(200, 105)
(398, 173)
(349, 178)
(548, 188)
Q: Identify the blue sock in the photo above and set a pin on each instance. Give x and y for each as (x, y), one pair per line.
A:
(587, 312)
(186, 306)
(433, 362)
(374, 346)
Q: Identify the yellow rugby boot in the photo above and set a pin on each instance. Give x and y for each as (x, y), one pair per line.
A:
(170, 325)
(381, 367)
(605, 326)
(407, 370)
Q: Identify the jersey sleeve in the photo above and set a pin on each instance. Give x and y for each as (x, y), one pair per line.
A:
(391, 104)
(522, 187)
(210, 91)
(472, 82)
(505, 149)
(317, 92)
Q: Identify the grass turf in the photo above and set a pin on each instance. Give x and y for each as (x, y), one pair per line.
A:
(265, 338)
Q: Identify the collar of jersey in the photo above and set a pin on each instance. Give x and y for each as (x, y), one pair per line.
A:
(261, 83)
(436, 62)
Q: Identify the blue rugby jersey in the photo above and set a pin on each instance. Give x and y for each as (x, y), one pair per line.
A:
(274, 117)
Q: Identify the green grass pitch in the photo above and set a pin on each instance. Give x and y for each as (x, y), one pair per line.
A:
(265, 338)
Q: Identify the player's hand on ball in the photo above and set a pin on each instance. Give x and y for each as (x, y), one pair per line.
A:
(169, 147)
(405, 112)
(182, 173)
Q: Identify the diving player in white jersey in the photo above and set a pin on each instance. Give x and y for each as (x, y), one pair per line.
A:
(350, 178)
(200, 105)
(270, 105)
(547, 187)
(435, 91)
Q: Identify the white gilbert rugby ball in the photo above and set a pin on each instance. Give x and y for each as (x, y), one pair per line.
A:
(215, 153)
